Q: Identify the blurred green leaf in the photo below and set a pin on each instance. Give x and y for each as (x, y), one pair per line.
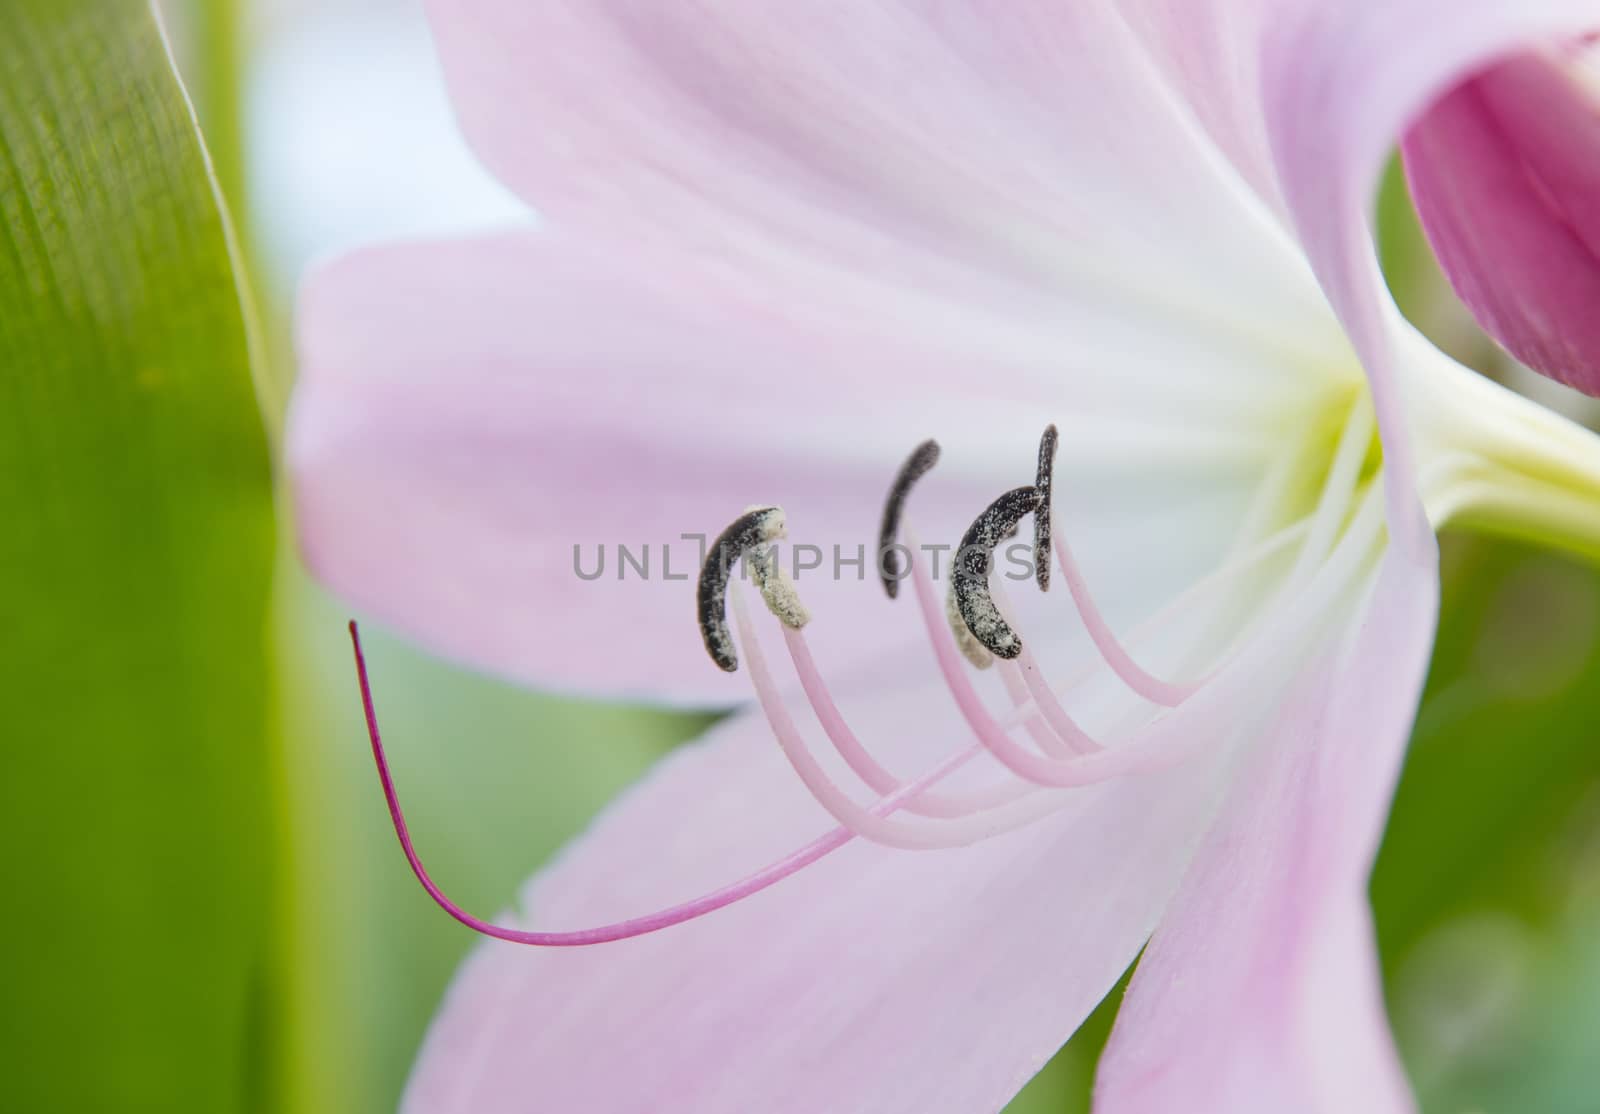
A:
(1486, 888)
(135, 543)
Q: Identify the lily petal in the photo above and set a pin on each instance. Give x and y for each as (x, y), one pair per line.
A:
(1260, 992)
(907, 143)
(470, 412)
(1505, 173)
(875, 980)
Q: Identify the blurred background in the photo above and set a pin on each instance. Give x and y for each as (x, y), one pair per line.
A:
(226, 923)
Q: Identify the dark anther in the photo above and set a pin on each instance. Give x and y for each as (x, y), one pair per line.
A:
(974, 562)
(922, 458)
(1041, 516)
(753, 528)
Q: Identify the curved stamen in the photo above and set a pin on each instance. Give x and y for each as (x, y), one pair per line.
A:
(1147, 685)
(1041, 516)
(1057, 734)
(1024, 672)
(1211, 586)
(975, 560)
(731, 894)
(1075, 738)
(917, 465)
(1047, 739)
(1162, 742)
(1105, 640)
(861, 820)
(1085, 769)
(757, 526)
(1334, 500)
(867, 768)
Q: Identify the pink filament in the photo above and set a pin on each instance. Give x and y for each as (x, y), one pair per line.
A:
(1049, 741)
(1076, 738)
(867, 823)
(637, 926)
(1150, 687)
(1024, 674)
(1088, 769)
(860, 760)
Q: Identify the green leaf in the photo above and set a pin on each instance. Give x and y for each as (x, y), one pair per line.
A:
(1486, 888)
(136, 538)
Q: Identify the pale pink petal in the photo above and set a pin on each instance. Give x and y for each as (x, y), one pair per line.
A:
(907, 145)
(1260, 992)
(467, 413)
(876, 980)
(1505, 173)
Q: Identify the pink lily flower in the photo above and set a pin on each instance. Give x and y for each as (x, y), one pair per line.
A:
(787, 243)
(1505, 171)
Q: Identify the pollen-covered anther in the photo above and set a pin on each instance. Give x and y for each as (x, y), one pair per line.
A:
(917, 465)
(756, 527)
(975, 560)
(779, 592)
(1041, 515)
(966, 641)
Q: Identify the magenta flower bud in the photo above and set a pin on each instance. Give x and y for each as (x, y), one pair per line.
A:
(1505, 173)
